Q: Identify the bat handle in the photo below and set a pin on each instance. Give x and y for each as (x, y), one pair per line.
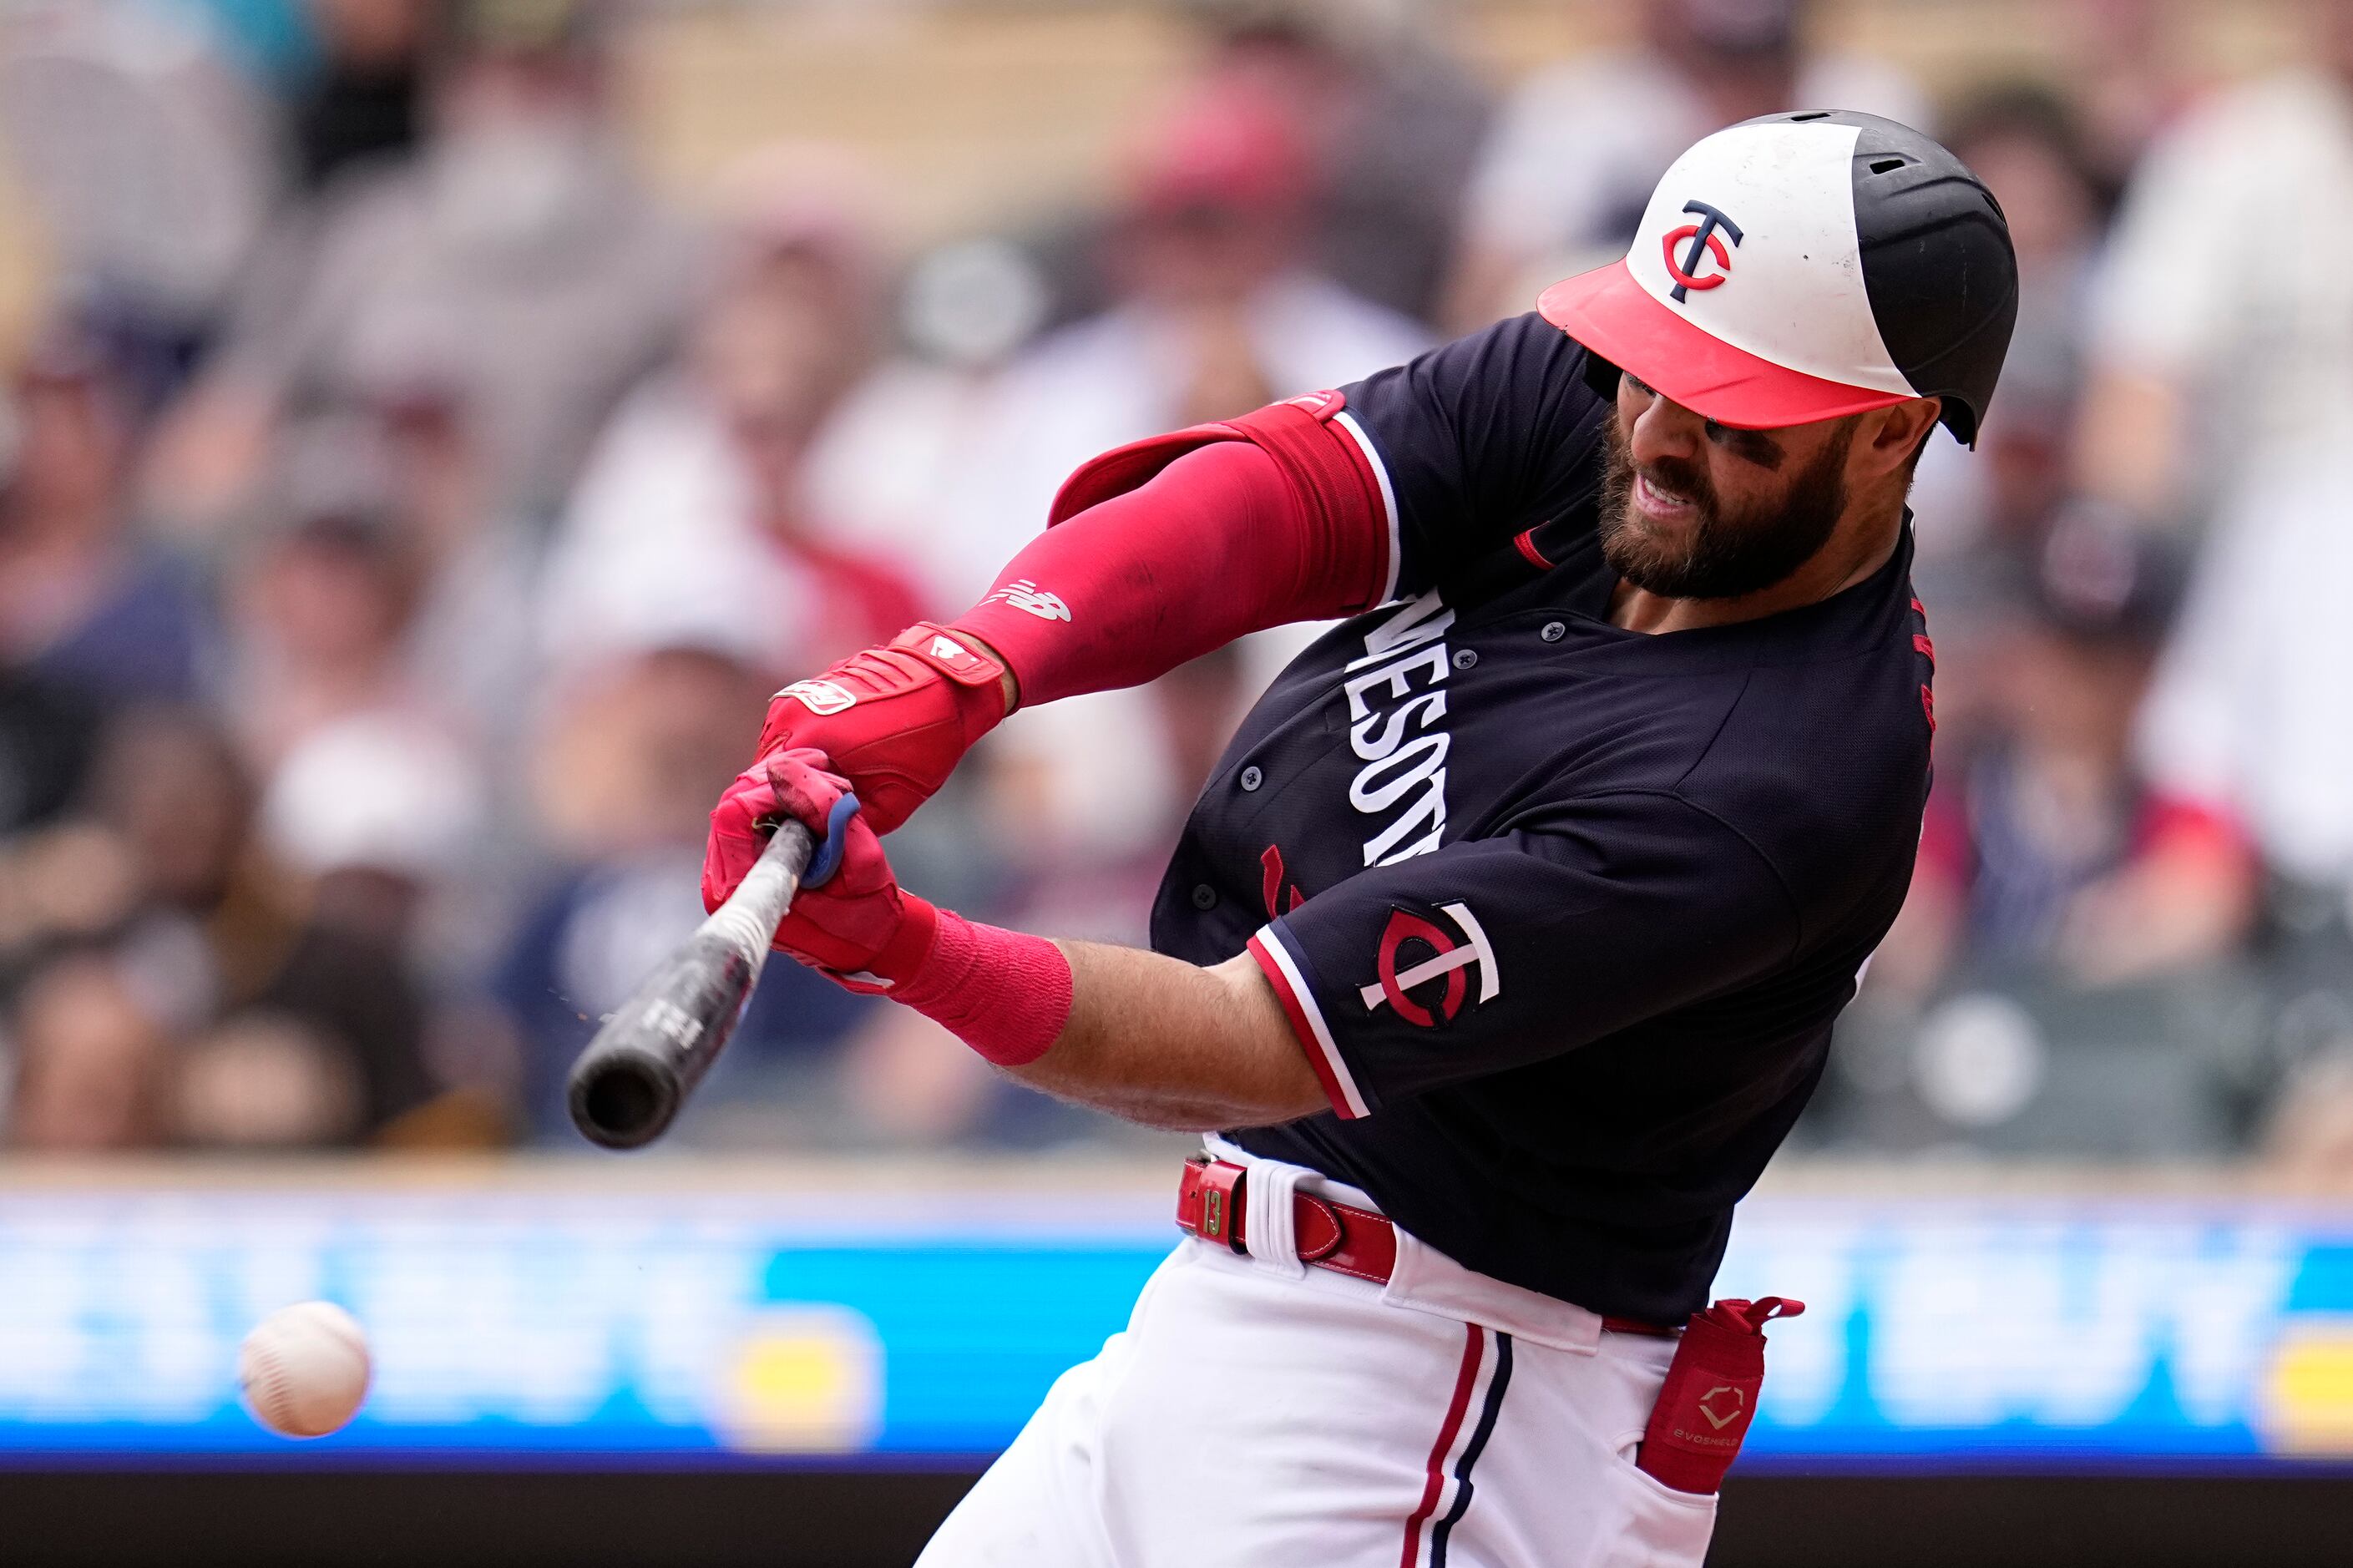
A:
(747, 921)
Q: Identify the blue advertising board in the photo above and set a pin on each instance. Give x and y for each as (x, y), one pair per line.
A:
(691, 1327)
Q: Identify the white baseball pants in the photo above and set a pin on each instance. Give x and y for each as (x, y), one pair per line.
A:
(1259, 1414)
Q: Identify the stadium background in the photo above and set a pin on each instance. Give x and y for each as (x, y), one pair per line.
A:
(431, 429)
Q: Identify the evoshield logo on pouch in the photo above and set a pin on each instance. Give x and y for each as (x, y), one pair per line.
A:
(1723, 1404)
(1448, 959)
(1703, 245)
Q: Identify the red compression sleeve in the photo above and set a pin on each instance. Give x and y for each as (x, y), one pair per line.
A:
(1003, 992)
(1221, 543)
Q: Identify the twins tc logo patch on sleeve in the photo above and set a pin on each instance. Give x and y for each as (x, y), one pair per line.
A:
(1446, 960)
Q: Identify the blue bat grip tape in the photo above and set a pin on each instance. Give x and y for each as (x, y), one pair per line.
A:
(827, 858)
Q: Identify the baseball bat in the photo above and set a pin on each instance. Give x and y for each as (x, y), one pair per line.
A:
(628, 1085)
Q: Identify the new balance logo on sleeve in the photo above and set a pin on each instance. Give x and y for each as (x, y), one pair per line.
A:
(1024, 595)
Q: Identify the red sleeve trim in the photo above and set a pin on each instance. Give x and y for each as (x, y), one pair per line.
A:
(1307, 1024)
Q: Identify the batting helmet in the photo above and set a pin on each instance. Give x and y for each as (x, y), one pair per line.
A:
(1805, 266)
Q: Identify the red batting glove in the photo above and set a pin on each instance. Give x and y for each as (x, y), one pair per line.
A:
(893, 721)
(858, 921)
(1005, 995)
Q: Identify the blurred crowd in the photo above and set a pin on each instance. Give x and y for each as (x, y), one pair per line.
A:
(406, 510)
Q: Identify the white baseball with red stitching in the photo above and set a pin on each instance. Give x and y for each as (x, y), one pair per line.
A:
(305, 1369)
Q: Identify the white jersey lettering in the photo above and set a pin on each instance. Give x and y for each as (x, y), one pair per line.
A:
(1395, 727)
(1373, 747)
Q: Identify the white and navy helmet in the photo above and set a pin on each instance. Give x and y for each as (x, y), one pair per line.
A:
(1806, 265)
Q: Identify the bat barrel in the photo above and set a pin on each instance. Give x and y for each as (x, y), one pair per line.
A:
(624, 1102)
(629, 1084)
(635, 1075)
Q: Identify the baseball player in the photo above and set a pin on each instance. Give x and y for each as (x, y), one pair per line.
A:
(1504, 946)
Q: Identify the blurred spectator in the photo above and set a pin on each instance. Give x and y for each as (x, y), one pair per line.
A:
(1218, 311)
(1579, 146)
(2066, 978)
(385, 822)
(876, 474)
(84, 605)
(176, 984)
(322, 607)
(632, 756)
(377, 813)
(2220, 346)
(2023, 142)
(469, 639)
(365, 98)
(2251, 712)
(263, 1080)
(517, 247)
(2219, 404)
(696, 506)
(151, 163)
(90, 617)
(2044, 847)
(2129, 77)
(170, 788)
(92, 1067)
(1395, 124)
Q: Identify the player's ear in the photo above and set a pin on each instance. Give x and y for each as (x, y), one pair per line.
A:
(1891, 437)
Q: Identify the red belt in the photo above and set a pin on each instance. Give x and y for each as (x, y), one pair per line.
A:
(1334, 1236)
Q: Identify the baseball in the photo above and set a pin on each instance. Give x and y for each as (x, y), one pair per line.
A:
(305, 1369)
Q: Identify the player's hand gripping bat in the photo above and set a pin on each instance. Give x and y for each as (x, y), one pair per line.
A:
(629, 1083)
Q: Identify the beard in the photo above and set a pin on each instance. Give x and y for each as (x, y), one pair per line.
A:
(1728, 553)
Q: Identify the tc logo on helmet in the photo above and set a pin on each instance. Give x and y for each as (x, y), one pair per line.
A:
(1703, 244)
(1448, 959)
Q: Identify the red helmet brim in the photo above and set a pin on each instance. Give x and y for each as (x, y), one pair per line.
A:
(1610, 314)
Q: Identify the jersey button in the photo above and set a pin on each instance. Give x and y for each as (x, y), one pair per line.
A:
(1553, 631)
(1252, 778)
(1205, 897)
(1465, 658)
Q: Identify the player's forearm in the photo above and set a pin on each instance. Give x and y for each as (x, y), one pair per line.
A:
(1222, 543)
(1155, 1040)
(1146, 1038)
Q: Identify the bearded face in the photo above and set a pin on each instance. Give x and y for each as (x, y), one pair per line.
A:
(1719, 547)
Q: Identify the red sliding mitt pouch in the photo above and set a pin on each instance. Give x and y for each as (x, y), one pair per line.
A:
(1710, 1395)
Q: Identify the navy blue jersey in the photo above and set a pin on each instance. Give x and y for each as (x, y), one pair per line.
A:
(1562, 913)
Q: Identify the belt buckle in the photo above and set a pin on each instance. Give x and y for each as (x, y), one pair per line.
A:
(1221, 1202)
